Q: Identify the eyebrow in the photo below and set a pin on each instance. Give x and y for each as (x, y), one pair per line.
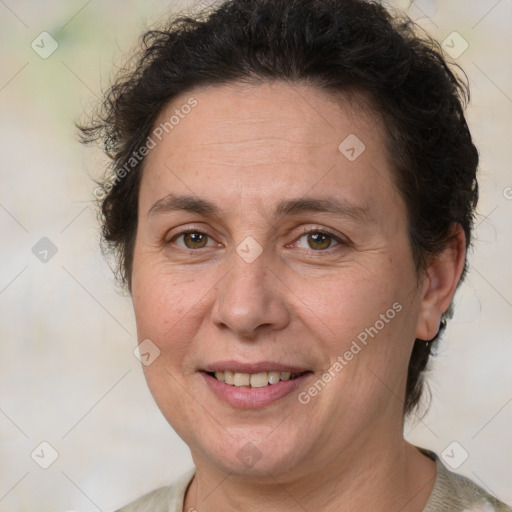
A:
(193, 204)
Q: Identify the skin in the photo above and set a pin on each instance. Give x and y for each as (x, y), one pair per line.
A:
(245, 148)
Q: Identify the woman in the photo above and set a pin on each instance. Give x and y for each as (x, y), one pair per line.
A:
(291, 201)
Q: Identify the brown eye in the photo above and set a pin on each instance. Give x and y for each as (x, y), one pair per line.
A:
(193, 239)
(317, 241)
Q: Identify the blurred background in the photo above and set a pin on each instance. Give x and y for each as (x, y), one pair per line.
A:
(79, 430)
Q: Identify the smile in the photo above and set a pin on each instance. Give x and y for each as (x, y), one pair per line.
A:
(254, 380)
(253, 388)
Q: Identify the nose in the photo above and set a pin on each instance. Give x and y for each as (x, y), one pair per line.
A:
(250, 299)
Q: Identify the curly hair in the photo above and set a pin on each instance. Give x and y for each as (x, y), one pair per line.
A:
(336, 45)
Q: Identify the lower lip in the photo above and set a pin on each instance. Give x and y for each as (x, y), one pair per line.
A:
(245, 397)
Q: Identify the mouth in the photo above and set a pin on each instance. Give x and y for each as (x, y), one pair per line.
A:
(252, 386)
(254, 380)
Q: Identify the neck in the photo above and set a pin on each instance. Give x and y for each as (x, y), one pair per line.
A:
(399, 478)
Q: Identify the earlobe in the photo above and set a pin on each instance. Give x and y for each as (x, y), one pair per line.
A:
(441, 280)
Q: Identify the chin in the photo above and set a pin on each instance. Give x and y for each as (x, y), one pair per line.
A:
(256, 455)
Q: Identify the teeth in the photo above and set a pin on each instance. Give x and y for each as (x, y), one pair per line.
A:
(258, 380)
(273, 377)
(255, 380)
(242, 379)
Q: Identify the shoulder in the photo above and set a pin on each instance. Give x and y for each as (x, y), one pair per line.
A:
(163, 499)
(456, 493)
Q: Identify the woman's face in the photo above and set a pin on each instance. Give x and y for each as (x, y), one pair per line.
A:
(271, 239)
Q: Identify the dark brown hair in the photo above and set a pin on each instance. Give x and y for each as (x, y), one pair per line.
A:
(336, 45)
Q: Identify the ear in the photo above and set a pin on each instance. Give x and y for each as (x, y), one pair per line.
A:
(440, 282)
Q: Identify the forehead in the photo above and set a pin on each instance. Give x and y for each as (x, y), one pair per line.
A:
(270, 113)
(271, 139)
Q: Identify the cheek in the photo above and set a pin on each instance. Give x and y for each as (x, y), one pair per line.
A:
(166, 310)
(168, 305)
(361, 322)
(347, 303)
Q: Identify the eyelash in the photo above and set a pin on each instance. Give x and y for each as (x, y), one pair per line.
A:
(304, 231)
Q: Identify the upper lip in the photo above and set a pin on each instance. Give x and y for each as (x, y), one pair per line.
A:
(258, 367)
